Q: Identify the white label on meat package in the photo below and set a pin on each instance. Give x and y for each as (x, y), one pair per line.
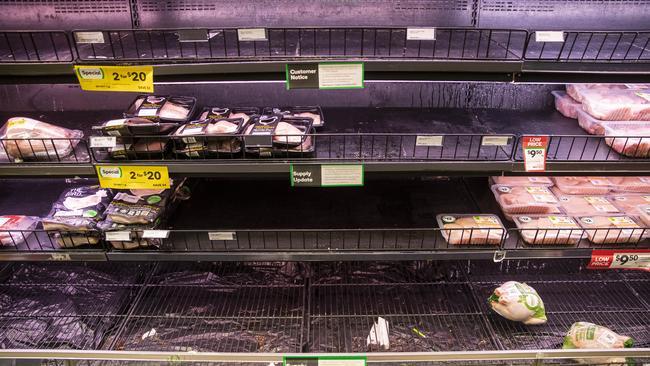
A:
(251, 34)
(89, 37)
(421, 34)
(495, 140)
(103, 141)
(74, 213)
(118, 236)
(155, 234)
(147, 112)
(222, 235)
(549, 36)
(428, 141)
(192, 131)
(562, 221)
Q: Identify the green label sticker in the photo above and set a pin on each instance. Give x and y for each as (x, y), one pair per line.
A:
(152, 200)
(90, 213)
(326, 75)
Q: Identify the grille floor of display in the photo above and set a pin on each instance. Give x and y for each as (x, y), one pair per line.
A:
(326, 307)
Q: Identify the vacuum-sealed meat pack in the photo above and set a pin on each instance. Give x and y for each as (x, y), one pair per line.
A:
(471, 229)
(25, 138)
(548, 229)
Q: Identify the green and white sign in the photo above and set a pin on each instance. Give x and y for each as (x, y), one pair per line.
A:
(330, 175)
(327, 75)
(324, 361)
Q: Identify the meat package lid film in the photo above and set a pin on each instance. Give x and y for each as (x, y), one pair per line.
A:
(135, 126)
(291, 136)
(613, 229)
(630, 184)
(15, 229)
(629, 202)
(313, 112)
(162, 108)
(585, 204)
(577, 91)
(617, 104)
(525, 200)
(27, 138)
(471, 229)
(583, 185)
(628, 138)
(644, 214)
(548, 229)
(566, 105)
(521, 181)
(229, 112)
(79, 208)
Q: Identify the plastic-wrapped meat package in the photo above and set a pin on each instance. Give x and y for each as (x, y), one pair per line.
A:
(628, 203)
(135, 126)
(617, 105)
(518, 302)
(137, 206)
(210, 137)
(644, 214)
(630, 184)
(548, 230)
(15, 229)
(628, 138)
(525, 200)
(244, 113)
(590, 124)
(475, 229)
(577, 91)
(522, 181)
(24, 138)
(315, 113)
(162, 108)
(613, 229)
(591, 336)
(583, 185)
(290, 135)
(585, 204)
(566, 105)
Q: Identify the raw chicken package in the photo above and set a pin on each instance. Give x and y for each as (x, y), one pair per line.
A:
(644, 215)
(78, 209)
(582, 185)
(577, 91)
(630, 184)
(15, 229)
(548, 230)
(628, 203)
(590, 124)
(477, 229)
(525, 200)
(210, 137)
(522, 181)
(629, 138)
(585, 204)
(137, 206)
(277, 135)
(246, 113)
(566, 105)
(617, 105)
(139, 148)
(135, 126)
(162, 108)
(591, 336)
(24, 138)
(613, 229)
(518, 302)
(313, 112)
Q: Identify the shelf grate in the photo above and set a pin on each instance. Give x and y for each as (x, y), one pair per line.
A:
(593, 148)
(35, 47)
(44, 151)
(305, 43)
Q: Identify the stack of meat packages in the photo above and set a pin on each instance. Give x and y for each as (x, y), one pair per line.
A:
(564, 210)
(621, 112)
(81, 213)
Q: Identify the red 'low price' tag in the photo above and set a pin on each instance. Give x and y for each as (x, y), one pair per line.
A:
(638, 259)
(535, 148)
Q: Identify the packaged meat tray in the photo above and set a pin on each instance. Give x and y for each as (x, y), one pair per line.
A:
(617, 105)
(566, 105)
(135, 126)
(548, 229)
(630, 184)
(235, 112)
(477, 229)
(585, 204)
(628, 203)
(590, 124)
(15, 229)
(612, 229)
(313, 112)
(582, 185)
(162, 108)
(78, 209)
(142, 148)
(137, 206)
(290, 136)
(525, 200)
(210, 137)
(522, 181)
(576, 91)
(24, 138)
(628, 138)
(644, 214)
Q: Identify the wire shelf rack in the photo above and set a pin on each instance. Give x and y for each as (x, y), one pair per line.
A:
(35, 47)
(593, 148)
(44, 150)
(305, 43)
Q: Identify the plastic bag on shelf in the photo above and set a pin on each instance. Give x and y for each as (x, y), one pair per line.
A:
(628, 138)
(583, 185)
(566, 105)
(24, 138)
(15, 229)
(548, 230)
(477, 229)
(613, 229)
(78, 209)
(518, 302)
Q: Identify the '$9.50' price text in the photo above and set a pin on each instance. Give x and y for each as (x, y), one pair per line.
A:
(625, 258)
(535, 152)
(131, 75)
(146, 174)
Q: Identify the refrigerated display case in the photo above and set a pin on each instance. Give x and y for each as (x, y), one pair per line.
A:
(233, 264)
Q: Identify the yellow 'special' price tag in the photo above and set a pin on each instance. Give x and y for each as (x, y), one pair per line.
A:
(115, 78)
(133, 177)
